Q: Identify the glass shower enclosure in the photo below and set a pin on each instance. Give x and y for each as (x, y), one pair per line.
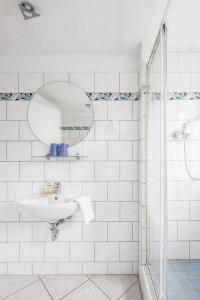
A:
(156, 164)
(173, 155)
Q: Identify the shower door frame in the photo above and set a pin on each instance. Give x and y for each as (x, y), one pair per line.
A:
(162, 41)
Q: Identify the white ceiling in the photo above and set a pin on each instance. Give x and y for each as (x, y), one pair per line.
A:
(75, 26)
(183, 25)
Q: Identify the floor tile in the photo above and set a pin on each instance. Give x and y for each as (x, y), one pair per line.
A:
(12, 283)
(87, 291)
(60, 285)
(114, 285)
(134, 293)
(183, 280)
(35, 291)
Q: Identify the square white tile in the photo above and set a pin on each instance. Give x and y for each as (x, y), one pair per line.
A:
(129, 170)
(82, 171)
(119, 231)
(120, 191)
(71, 231)
(129, 130)
(19, 151)
(31, 171)
(106, 82)
(31, 252)
(119, 150)
(107, 211)
(18, 189)
(120, 110)
(3, 105)
(30, 82)
(44, 268)
(9, 252)
(129, 211)
(9, 130)
(129, 82)
(57, 171)
(100, 110)
(106, 130)
(9, 171)
(95, 231)
(17, 110)
(106, 251)
(19, 268)
(95, 150)
(129, 251)
(70, 268)
(106, 170)
(8, 82)
(81, 251)
(83, 80)
(178, 82)
(96, 190)
(56, 252)
(55, 76)
(26, 132)
(18, 232)
(3, 152)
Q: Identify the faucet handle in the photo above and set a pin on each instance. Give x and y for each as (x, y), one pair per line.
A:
(57, 187)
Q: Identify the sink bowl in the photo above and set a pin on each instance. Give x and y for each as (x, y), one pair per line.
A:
(49, 207)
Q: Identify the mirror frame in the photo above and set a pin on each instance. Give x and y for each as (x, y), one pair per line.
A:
(80, 88)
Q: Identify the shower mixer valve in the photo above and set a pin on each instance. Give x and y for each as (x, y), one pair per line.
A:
(182, 134)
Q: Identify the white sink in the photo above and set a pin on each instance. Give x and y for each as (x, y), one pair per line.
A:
(49, 207)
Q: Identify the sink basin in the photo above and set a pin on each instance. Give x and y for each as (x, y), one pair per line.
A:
(49, 207)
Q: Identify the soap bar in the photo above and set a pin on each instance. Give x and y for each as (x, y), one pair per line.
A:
(48, 189)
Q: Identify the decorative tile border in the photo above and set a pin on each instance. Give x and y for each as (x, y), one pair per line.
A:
(184, 96)
(178, 96)
(92, 96)
(109, 96)
(74, 128)
(16, 96)
(113, 96)
(155, 96)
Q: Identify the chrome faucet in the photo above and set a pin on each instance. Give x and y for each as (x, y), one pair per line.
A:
(57, 187)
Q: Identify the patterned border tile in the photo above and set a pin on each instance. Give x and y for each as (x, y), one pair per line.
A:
(113, 96)
(184, 96)
(16, 96)
(178, 96)
(92, 96)
(109, 96)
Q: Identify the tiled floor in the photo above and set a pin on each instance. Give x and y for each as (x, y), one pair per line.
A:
(183, 279)
(70, 287)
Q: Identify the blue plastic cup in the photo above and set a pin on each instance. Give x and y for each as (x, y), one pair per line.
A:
(54, 150)
(63, 150)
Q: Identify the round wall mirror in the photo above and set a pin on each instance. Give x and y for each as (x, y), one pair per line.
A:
(60, 112)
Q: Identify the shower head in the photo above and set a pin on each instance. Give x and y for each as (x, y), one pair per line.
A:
(28, 10)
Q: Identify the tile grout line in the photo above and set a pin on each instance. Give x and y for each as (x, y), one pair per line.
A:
(38, 279)
(75, 288)
(100, 289)
(127, 290)
(46, 288)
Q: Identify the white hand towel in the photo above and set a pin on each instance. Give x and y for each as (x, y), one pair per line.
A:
(85, 204)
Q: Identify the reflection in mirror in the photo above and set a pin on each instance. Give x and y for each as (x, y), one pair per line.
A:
(60, 112)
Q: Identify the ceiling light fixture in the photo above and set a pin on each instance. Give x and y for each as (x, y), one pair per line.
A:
(28, 10)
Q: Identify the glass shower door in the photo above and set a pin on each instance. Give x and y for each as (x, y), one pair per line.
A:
(156, 178)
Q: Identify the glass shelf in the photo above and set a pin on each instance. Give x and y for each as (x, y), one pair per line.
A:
(75, 157)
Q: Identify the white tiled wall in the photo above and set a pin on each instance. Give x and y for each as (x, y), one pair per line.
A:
(183, 193)
(109, 174)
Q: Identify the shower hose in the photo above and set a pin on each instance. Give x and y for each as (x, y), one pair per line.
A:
(186, 163)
